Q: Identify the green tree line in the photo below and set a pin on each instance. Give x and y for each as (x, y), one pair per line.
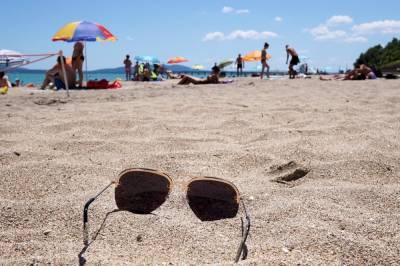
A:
(379, 57)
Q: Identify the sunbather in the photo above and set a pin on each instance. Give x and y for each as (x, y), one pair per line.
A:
(211, 79)
(56, 76)
(4, 83)
(361, 73)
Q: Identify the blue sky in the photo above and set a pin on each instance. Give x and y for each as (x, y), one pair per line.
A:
(329, 33)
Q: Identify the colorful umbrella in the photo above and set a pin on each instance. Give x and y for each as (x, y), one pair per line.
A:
(83, 31)
(225, 63)
(147, 59)
(255, 56)
(198, 67)
(177, 60)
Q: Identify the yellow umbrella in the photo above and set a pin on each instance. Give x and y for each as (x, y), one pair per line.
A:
(255, 56)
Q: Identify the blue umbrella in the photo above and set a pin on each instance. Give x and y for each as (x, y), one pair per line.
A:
(149, 59)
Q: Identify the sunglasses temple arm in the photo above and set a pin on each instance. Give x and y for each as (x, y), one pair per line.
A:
(86, 217)
(245, 232)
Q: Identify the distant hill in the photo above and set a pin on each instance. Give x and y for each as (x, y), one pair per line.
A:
(120, 70)
(27, 71)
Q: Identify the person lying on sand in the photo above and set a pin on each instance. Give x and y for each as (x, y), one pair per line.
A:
(211, 79)
(361, 73)
(55, 76)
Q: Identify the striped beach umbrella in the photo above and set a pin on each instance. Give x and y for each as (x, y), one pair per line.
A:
(83, 31)
(177, 60)
(225, 63)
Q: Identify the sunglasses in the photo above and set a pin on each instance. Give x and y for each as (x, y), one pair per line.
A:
(142, 191)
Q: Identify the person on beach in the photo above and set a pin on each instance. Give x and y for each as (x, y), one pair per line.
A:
(136, 71)
(362, 72)
(211, 79)
(264, 64)
(4, 83)
(294, 61)
(77, 62)
(128, 68)
(56, 76)
(239, 65)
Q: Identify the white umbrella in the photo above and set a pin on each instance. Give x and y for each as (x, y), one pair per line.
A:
(9, 58)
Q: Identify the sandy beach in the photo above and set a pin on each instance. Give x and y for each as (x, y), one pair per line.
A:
(57, 152)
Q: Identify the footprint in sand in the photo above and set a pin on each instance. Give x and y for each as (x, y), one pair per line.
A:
(288, 172)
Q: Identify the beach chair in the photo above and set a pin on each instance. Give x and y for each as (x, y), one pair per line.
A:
(142, 191)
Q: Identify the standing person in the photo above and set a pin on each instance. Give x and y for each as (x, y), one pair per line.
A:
(294, 61)
(264, 63)
(240, 65)
(128, 68)
(77, 61)
(136, 71)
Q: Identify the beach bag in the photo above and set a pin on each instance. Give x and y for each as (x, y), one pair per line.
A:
(115, 85)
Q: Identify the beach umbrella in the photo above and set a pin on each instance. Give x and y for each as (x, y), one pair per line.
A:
(83, 31)
(147, 59)
(225, 63)
(254, 56)
(177, 60)
(303, 58)
(9, 58)
(198, 67)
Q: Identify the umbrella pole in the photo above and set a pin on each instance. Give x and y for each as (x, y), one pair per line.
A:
(64, 72)
(86, 72)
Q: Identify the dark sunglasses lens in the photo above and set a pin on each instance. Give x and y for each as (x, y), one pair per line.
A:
(141, 192)
(212, 200)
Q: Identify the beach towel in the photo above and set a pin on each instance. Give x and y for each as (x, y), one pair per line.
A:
(103, 84)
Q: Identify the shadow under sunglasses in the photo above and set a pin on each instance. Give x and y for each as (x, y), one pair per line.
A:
(142, 191)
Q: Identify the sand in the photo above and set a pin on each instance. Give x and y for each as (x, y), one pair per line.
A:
(341, 206)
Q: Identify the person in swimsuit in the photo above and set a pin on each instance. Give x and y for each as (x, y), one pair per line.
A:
(264, 63)
(240, 65)
(56, 76)
(212, 79)
(128, 68)
(77, 61)
(294, 61)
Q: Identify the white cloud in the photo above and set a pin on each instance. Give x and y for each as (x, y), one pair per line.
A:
(354, 39)
(129, 38)
(228, 9)
(339, 20)
(322, 32)
(214, 36)
(243, 11)
(239, 34)
(278, 19)
(378, 27)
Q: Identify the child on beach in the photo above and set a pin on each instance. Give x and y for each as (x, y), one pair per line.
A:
(77, 61)
(128, 68)
(4, 83)
(264, 63)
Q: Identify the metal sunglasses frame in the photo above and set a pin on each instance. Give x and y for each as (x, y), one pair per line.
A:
(242, 251)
